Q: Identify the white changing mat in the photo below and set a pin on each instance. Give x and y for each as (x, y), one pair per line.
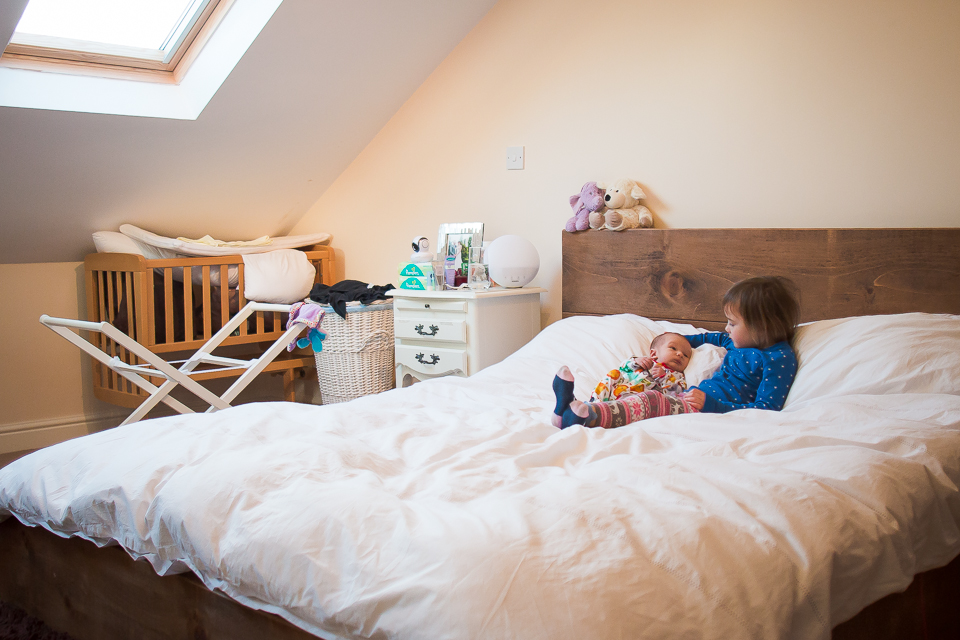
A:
(179, 248)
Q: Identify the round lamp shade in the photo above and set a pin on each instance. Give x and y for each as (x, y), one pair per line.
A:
(513, 261)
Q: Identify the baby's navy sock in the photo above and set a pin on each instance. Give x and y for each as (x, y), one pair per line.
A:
(563, 390)
(570, 418)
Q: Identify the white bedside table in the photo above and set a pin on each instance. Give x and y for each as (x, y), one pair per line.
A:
(459, 332)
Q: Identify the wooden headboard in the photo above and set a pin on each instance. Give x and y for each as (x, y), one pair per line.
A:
(682, 274)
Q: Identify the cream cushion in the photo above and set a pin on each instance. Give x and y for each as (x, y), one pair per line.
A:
(281, 277)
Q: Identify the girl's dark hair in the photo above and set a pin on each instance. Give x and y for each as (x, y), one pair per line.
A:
(768, 305)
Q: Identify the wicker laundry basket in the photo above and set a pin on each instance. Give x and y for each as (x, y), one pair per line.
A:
(357, 355)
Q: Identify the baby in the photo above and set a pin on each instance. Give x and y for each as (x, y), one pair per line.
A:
(661, 371)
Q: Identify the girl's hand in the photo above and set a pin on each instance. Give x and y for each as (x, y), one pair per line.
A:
(695, 398)
(643, 363)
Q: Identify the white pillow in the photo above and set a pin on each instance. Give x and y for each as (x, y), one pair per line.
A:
(593, 345)
(113, 242)
(705, 359)
(282, 277)
(903, 353)
(704, 362)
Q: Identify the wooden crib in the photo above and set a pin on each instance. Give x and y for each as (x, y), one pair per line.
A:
(175, 305)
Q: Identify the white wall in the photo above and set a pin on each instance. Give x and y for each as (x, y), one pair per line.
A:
(746, 113)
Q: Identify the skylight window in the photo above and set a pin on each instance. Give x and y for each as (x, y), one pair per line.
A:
(93, 36)
(207, 38)
(133, 23)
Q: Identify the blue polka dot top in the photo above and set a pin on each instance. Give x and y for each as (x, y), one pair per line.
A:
(748, 378)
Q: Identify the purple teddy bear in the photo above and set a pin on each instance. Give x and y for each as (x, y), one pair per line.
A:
(589, 199)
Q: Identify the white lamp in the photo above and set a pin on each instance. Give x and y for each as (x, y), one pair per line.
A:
(513, 261)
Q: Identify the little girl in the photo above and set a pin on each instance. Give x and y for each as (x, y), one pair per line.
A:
(762, 315)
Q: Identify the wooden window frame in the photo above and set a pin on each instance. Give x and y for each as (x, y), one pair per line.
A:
(77, 57)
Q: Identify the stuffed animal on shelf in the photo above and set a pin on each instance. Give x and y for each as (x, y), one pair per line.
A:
(623, 208)
(589, 200)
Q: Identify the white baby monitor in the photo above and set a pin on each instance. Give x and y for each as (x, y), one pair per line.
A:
(421, 250)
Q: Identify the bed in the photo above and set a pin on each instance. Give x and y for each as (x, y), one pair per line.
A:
(452, 509)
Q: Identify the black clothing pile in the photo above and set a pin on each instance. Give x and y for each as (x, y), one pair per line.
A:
(338, 295)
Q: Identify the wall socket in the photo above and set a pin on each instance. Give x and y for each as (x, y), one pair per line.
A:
(514, 157)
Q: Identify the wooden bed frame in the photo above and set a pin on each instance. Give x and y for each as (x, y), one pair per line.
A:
(682, 274)
(678, 275)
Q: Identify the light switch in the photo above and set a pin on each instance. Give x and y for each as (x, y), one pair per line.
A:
(514, 157)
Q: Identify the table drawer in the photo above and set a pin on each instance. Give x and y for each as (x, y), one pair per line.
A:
(430, 329)
(430, 305)
(430, 359)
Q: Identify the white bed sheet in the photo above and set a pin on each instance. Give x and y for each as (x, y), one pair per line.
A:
(452, 509)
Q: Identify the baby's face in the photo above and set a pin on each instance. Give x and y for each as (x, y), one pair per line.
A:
(673, 351)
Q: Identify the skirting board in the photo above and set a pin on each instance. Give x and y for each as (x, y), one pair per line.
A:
(23, 436)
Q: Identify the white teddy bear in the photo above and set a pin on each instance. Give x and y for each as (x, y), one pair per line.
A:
(624, 210)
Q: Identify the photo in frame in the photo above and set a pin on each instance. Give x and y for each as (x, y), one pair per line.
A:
(455, 240)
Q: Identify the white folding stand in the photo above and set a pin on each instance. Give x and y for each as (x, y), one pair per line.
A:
(159, 368)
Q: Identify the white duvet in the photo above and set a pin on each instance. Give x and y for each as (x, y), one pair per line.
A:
(452, 509)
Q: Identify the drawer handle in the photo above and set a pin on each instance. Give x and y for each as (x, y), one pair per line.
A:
(433, 330)
(434, 358)
(426, 306)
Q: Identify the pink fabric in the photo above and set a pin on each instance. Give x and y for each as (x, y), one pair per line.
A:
(307, 313)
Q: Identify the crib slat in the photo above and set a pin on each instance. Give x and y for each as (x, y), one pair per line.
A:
(187, 304)
(113, 306)
(114, 294)
(168, 304)
(104, 344)
(224, 295)
(109, 346)
(93, 294)
(143, 282)
(129, 387)
(241, 299)
(110, 297)
(207, 303)
(129, 296)
(150, 317)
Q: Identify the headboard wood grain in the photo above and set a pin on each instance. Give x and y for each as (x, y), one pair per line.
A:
(682, 274)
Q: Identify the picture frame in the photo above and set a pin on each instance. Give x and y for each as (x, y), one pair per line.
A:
(455, 239)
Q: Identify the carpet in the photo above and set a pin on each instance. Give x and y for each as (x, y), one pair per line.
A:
(16, 624)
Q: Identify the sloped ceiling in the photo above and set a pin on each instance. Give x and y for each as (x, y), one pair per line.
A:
(10, 12)
(318, 83)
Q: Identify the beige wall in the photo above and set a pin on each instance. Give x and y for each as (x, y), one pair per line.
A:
(748, 113)
(45, 391)
(738, 113)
